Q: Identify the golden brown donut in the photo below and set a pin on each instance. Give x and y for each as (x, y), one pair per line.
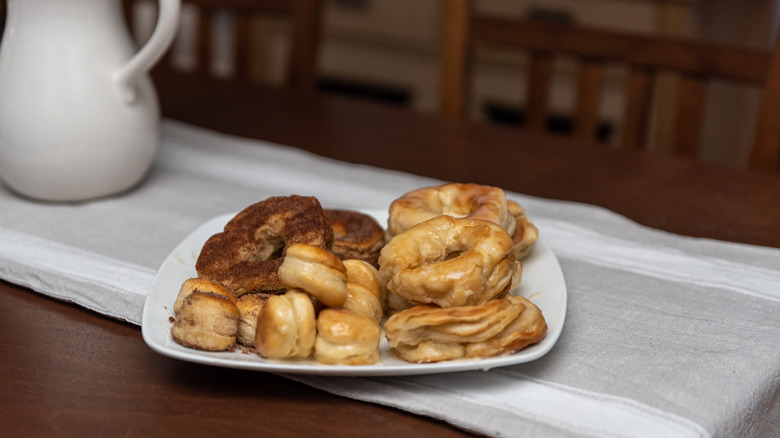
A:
(206, 321)
(249, 306)
(356, 235)
(526, 234)
(366, 275)
(202, 284)
(450, 262)
(363, 301)
(345, 337)
(286, 326)
(454, 199)
(432, 334)
(316, 271)
(246, 256)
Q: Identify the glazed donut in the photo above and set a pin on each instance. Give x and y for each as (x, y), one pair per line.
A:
(454, 199)
(366, 275)
(246, 256)
(345, 337)
(365, 294)
(432, 334)
(286, 326)
(249, 306)
(317, 271)
(355, 235)
(450, 262)
(206, 321)
(526, 234)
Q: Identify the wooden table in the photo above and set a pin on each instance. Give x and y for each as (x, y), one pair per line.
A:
(67, 371)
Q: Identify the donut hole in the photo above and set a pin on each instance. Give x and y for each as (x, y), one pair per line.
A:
(269, 248)
(453, 254)
(459, 211)
(276, 248)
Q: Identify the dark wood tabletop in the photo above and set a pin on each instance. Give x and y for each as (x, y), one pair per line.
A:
(69, 372)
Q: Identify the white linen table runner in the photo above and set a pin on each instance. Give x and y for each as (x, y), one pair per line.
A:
(665, 335)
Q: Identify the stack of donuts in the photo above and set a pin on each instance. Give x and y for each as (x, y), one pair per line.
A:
(292, 280)
(453, 256)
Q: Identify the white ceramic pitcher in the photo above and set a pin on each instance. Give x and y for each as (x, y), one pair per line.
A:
(79, 116)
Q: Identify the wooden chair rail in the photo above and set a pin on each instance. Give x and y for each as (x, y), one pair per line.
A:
(645, 57)
(687, 56)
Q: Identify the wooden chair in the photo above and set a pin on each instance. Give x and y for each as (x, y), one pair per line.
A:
(696, 62)
(305, 21)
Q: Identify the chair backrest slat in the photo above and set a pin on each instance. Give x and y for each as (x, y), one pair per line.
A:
(637, 109)
(590, 82)
(456, 16)
(766, 153)
(539, 82)
(690, 115)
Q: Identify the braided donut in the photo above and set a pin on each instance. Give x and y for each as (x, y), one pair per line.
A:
(365, 294)
(356, 235)
(246, 256)
(317, 271)
(450, 262)
(454, 199)
(366, 275)
(432, 334)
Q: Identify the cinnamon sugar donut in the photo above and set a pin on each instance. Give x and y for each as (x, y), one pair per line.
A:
(450, 262)
(432, 334)
(249, 306)
(454, 199)
(190, 285)
(246, 256)
(355, 235)
(206, 319)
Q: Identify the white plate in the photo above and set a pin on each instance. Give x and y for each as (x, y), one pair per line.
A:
(542, 283)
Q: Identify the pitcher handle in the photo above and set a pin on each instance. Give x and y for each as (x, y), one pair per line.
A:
(126, 77)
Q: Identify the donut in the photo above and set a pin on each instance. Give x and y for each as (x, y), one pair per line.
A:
(206, 321)
(454, 199)
(526, 234)
(345, 337)
(450, 262)
(247, 254)
(366, 275)
(361, 300)
(286, 326)
(365, 294)
(316, 271)
(202, 284)
(249, 306)
(355, 235)
(431, 334)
